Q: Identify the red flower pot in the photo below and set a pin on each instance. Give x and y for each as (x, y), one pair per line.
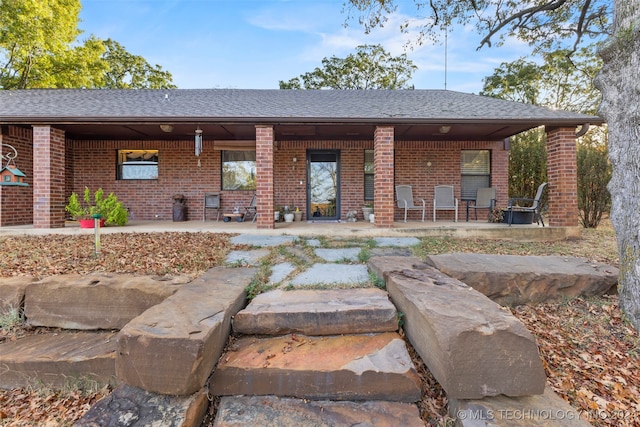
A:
(88, 223)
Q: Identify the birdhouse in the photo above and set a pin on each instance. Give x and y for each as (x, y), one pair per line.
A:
(11, 175)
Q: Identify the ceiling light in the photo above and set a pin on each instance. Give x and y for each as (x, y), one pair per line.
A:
(166, 128)
(445, 129)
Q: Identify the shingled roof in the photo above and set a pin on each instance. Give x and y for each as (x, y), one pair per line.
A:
(416, 107)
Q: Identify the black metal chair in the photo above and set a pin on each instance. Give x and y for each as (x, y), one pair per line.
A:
(252, 209)
(211, 201)
(535, 208)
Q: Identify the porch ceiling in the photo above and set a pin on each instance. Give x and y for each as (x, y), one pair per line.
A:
(295, 131)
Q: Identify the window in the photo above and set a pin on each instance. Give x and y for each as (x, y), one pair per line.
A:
(476, 172)
(137, 164)
(238, 170)
(368, 174)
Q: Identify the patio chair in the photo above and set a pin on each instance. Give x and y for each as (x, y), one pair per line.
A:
(485, 199)
(514, 205)
(252, 209)
(405, 200)
(444, 200)
(211, 201)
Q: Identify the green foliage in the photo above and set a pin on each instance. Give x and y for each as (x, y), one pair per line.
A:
(594, 173)
(371, 67)
(39, 48)
(527, 163)
(112, 210)
(128, 71)
(11, 320)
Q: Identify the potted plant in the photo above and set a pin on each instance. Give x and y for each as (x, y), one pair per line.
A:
(288, 215)
(367, 210)
(111, 210)
(297, 214)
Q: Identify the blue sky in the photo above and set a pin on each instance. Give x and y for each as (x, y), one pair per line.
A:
(253, 44)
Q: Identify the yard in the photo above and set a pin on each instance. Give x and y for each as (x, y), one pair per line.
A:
(590, 351)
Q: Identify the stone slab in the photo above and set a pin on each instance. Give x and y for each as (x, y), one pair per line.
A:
(397, 241)
(12, 292)
(131, 406)
(332, 274)
(172, 347)
(514, 279)
(272, 411)
(318, 312)
(349, 367)
(95, 301)
(260, 240)
(280, 271)
(58, 360)
(338, 255)
(544, 410)
(245, 258)
(472, 346)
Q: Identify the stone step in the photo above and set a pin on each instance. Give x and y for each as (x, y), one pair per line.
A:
(514, 279)
(348, 367)
(272, 411)
(472, 346)
(318, 312)
(58, 360)
(172, 347)
(95, 301)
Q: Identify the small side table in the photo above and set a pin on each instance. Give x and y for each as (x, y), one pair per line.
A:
(226, 217)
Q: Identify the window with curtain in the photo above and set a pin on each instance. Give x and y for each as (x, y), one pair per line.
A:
(475, 168)
(238, 170)
(137, 164)
(368, 174)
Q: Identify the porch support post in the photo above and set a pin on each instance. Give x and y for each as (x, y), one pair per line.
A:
(264, 176)
(48, 177)
(562, 173)
(383, 193)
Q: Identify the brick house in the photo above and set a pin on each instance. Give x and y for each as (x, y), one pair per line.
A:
(326, 151)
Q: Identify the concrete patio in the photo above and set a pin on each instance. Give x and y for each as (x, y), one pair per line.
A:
(462, 229)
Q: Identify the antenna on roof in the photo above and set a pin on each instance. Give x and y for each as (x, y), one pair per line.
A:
(446, 33)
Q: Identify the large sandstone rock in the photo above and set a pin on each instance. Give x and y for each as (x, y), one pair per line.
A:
(318, 312)
(172, 347)
(543, 410)
(64, 359)
(472, 346)
(131, 406)
(12, 292)
(513, 279)
(347, 367)
(95, 301)
(271, 411)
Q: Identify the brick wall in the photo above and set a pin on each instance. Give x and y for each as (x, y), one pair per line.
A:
(562, 174)
(265, 175)
(48, 177)
(383, 161)
(16, 202)
(424, 165)
(178, 173)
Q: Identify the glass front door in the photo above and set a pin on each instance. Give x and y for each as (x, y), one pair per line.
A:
(323, 184)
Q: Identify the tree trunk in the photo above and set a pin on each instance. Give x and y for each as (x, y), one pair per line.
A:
(618, 82)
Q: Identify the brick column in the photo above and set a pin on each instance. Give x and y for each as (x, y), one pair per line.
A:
(48, 177)
(383, 194)
(264, 178)
(562, 172)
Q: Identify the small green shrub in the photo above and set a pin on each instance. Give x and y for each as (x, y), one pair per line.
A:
(112, 210)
